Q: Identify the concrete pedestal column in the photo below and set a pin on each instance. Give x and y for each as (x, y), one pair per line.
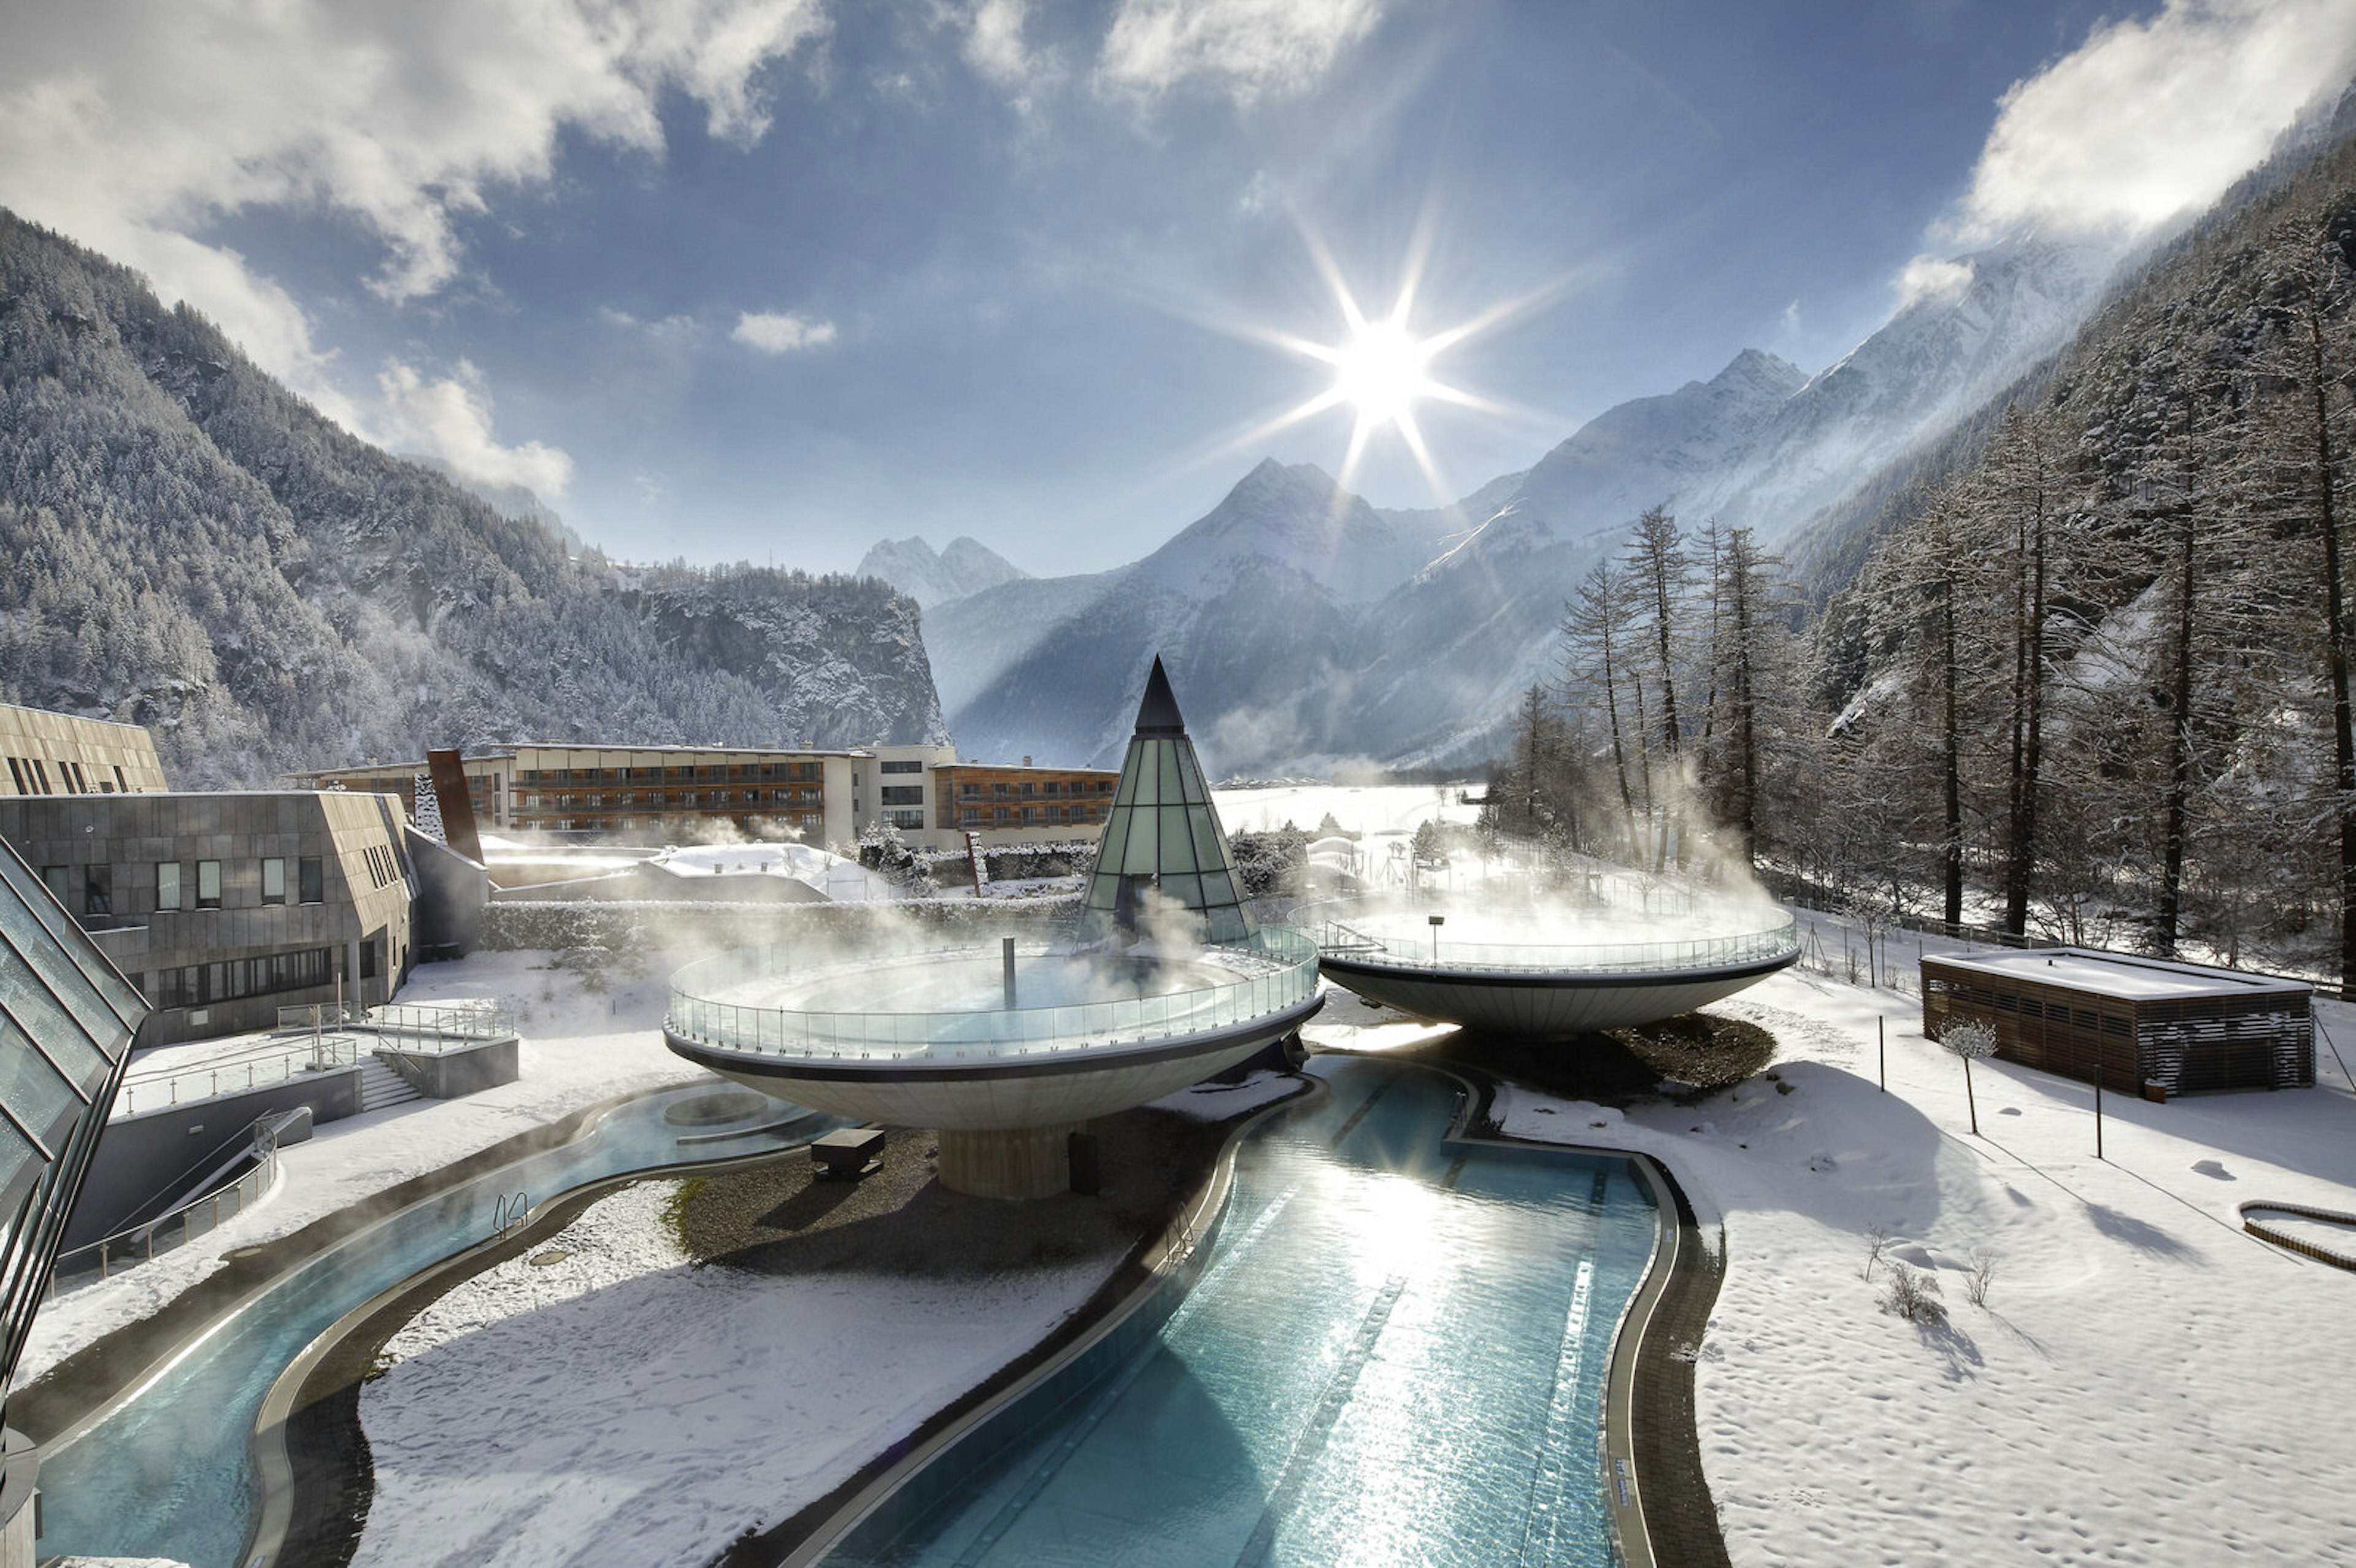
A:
(1024, 1162)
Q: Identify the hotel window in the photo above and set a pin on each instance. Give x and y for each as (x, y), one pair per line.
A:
(167, 884)
(40, 776)
(906, 818)
(274, 881)
(904, 794)
(969, 817)
(98, 890)
(16, 771)
(81, 780)
(209, 884)
(900, 767)
(121, 784)
(968, 791)
(310, 879)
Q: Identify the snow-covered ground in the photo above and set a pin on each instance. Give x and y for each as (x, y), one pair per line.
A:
(615, 1404)
(2146, 1384)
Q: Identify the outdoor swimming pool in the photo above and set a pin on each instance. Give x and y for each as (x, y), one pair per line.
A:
(168, 1474)
(1396, 1354)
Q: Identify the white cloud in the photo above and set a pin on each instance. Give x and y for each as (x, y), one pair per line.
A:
(1243, 48)
(994, 46)
(1928, 277)
(2149, 120)
(130, 125)
(451, 419)
(774, 333)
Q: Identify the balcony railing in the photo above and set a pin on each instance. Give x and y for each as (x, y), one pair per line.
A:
(1276, 971)
(1433, 950)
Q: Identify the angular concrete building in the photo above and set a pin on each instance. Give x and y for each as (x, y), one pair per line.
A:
(223, 907)
(60, 754)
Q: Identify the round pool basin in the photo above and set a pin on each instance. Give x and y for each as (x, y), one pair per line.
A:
(1584, 980)
(926, 1039)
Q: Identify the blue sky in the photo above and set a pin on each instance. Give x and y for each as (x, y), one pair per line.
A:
(773, 279)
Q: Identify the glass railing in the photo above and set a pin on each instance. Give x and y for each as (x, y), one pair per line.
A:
(1274, 971)
(1364, 944)
(257, 1069)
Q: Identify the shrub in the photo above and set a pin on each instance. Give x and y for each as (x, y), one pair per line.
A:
(1913, 1296)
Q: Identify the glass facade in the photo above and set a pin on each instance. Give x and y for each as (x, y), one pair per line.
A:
(1163, 833)
(67, 1019)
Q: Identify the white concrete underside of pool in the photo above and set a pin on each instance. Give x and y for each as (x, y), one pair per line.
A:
(1075, 1086)
(1542, 1007)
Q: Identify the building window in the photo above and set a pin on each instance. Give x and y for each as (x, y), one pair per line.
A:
(16, 771)
(310, 879)
(904, 794)
(98, 890)
(900, 767)
(121, 784)
(54, 878)
(971, 817)
(968, 791)
(274, 881)
(40, 776)
(80, 779)
(905, 818)
(167, 884)
(209, 884)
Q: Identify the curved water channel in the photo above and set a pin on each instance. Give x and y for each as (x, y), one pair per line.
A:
(168, 1472)
(1397, 1353)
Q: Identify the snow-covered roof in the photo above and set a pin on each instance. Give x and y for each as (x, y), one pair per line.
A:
(832, 875)
(2122, 975)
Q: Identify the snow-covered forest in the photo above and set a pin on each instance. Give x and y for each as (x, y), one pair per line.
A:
(2083, 673)
(191, 548)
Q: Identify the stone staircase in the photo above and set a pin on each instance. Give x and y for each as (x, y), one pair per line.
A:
(382, 1087)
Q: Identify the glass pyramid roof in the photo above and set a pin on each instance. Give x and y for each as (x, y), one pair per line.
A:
(1163, 835)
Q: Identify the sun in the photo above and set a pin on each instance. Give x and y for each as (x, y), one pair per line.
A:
(1382, 372)
(1382, 364)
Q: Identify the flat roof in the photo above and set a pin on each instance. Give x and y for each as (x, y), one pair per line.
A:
(76, 718)
(2126, 976)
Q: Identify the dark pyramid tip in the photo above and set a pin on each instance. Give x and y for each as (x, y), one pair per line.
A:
(1158, 714)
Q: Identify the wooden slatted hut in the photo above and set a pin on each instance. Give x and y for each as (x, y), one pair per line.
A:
(2146, 1021)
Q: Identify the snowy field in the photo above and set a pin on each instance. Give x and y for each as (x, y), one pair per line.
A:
(1381, 809)
(616, 1405)
(2146, 1384)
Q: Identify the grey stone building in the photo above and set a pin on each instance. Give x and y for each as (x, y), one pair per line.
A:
(222, 907)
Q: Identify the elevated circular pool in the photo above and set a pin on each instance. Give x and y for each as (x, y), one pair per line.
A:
(1033, 1038)
(1546, 974)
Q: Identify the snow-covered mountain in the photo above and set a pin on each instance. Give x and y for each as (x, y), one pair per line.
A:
(1982, 321)
(1307, 626)
(966, 568)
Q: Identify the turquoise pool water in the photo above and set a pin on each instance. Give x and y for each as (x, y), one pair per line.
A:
(1396, 1354)
(168, 1474)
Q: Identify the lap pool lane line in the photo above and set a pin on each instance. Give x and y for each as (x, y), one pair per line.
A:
(1547, 1508)
(1016, 1515)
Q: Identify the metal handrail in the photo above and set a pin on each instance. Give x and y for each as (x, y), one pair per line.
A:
(109, 1255)
(319, 1053)
(1275, 970)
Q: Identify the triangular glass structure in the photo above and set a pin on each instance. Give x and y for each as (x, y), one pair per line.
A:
(1162, 834)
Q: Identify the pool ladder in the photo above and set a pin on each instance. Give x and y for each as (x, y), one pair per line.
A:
(512, 1213)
